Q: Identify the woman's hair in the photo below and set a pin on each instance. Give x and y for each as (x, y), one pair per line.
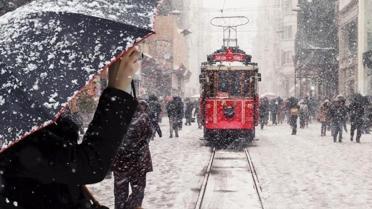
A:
(143, 104)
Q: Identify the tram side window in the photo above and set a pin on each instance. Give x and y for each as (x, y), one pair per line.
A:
(211, 90)
(248, 85)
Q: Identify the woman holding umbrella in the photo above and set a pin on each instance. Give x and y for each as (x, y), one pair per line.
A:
(133, 161)
(48, 51)
(49, 169)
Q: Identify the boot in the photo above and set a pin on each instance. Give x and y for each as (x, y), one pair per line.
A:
(294, 131)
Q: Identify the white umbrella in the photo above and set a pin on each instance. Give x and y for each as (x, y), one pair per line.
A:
(269, 95)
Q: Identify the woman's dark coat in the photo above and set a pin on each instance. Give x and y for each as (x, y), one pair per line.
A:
(337, 113)
(134, 157)
(48, 169)
(356, 110)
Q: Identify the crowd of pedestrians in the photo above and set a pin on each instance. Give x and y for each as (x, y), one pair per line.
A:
(177, 109)
(334, 114)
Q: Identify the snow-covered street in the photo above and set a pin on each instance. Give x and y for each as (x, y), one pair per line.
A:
(179, 165)
(310, 172)
(304, 171)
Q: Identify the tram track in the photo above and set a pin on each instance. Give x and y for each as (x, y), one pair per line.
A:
(254, 177)
(203, 188)
(211, 169)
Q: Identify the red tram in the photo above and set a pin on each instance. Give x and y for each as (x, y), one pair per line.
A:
(229, 92)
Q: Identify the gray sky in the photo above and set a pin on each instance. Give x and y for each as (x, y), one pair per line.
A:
(248, 8)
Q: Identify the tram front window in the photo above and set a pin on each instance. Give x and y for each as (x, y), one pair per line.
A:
(228, 84)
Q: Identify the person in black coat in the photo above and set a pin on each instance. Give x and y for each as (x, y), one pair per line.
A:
(133, 161)
(48, 169)
(188, 112)
(337, 115)
(274, 111)
(172, 111)
(155, 108)
(264, 111)
(154, 113)
(180, 111)
(356, 112)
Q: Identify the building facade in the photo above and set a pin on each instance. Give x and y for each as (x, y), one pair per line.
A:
(355, 33)
(365, 47)
(348, 44)
(277, 23)
(165, 70)
(287, 47)
(317, 49)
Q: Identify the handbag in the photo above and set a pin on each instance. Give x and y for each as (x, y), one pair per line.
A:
(89, 196)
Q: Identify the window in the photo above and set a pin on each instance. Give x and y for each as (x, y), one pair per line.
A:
(287, 6)
(286, 57)
(287, 33)
(231, 84)
(352, 30)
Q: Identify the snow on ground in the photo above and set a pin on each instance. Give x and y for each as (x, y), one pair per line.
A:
(230, 184)
(179, 166)
(296, 172)
(311, 172)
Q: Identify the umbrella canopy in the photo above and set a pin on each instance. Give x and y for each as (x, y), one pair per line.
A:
(292, 101)
(269, 95)
(50, 49)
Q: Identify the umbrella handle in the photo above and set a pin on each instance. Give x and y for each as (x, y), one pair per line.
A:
(134, 90)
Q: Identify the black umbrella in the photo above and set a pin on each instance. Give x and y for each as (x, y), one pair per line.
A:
(292, 101)
(50, 49)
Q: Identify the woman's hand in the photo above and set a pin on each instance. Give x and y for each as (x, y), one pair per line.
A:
(122, 71)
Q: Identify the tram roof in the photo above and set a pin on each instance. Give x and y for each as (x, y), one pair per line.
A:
(230, 68)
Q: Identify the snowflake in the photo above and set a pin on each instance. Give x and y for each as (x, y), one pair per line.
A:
(2, 100)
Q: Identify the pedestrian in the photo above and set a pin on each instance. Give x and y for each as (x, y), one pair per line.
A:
(342, 99)
(173, 117)
(154, 113)
(49, 168)
(281, 110)
(188, 112)
(337, 115)
(133, 161)
(198, 115)
(154, 108)
(313, 107)
(356, 111)
(294, 110)
(304, 114)
(323, 117)
(274, 111)
(368, 114)
(180, 111)
(264, 111)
